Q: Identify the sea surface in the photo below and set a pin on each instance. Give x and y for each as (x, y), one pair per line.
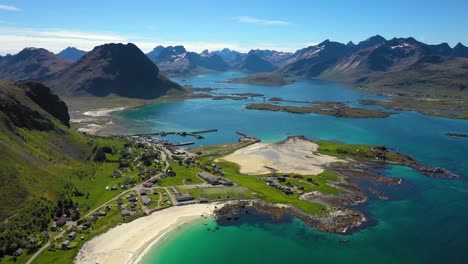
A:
(425, 220)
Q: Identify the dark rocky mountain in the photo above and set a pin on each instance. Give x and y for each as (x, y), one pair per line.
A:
(155, 52)
(370, 42)
(350, 44)
(119, 69)
(71, 53)
(460, 51)
(176, 60)
(310, 61)
(253, 63)
(376, 55)
(31, 63)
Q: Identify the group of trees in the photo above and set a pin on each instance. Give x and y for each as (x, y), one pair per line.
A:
(19, 230)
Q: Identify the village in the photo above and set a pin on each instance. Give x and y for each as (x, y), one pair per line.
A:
(152, 176)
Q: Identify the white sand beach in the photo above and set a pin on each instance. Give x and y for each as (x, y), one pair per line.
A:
(103, 112)
(126, 242)
(294, 155)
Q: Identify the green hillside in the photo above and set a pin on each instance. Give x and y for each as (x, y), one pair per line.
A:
(47, 169)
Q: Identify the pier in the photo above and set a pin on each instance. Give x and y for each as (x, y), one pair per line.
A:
(246, 137)
(195, 134)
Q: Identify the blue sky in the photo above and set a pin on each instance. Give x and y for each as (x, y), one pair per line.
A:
(241, 25)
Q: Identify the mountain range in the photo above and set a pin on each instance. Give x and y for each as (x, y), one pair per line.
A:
(124, 70)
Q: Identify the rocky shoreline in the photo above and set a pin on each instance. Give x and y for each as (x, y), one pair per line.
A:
(337, 220)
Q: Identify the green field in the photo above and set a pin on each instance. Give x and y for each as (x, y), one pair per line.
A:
(182, 174)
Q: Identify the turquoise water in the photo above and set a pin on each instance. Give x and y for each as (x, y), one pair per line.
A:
(425, 221)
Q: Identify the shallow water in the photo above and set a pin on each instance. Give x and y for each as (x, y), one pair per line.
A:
(425, 220)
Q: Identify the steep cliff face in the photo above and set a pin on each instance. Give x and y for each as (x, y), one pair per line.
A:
(47, 100)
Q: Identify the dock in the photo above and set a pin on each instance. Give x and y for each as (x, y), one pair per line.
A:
(246, 137)
(195, 134)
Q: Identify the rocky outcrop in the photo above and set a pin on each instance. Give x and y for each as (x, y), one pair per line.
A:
(47, 100)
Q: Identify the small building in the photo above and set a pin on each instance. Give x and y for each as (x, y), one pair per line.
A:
(72, 235)
(184, 197)
(66, 244)
(119, 201)
(33, 240)
(101, 213)
(146, 200)
(143, 192)
(148, 184)
(53, 228)
(132, 205)
(203, 200)
(18, 252)
(117, 174)
(125, 213)
(113, 188)
(95, 218)
(208, 177)
(61, 221)
(45, 233)
(86, 225)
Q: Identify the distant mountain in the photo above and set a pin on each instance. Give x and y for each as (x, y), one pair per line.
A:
(120, 69)
(310, 61)
(230, 56)
(176, 60)
(155, 52)
(253, 63)
(460, 51)
(277, 58)
(31, 63)
(71, 53)
(370, 42)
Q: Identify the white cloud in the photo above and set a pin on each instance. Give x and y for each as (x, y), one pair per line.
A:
(9, 8)
(253, 20)
(13, 40)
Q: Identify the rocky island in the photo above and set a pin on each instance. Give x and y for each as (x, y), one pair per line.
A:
(324, 108)
(271, 79)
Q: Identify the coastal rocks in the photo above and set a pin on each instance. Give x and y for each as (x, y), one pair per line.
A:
(454, 134)
(338, 220)
(436, 172)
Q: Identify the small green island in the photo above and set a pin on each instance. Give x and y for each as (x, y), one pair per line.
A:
(324, 108)
(272, 79)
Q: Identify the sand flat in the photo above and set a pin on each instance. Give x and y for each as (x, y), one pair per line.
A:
(294, 155)
(125, 243)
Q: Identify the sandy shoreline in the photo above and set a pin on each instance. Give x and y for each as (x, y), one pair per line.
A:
(94, 121)
(127, 242)
(294, 155)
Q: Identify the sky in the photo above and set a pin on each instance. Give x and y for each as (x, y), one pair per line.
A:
(240, 25)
